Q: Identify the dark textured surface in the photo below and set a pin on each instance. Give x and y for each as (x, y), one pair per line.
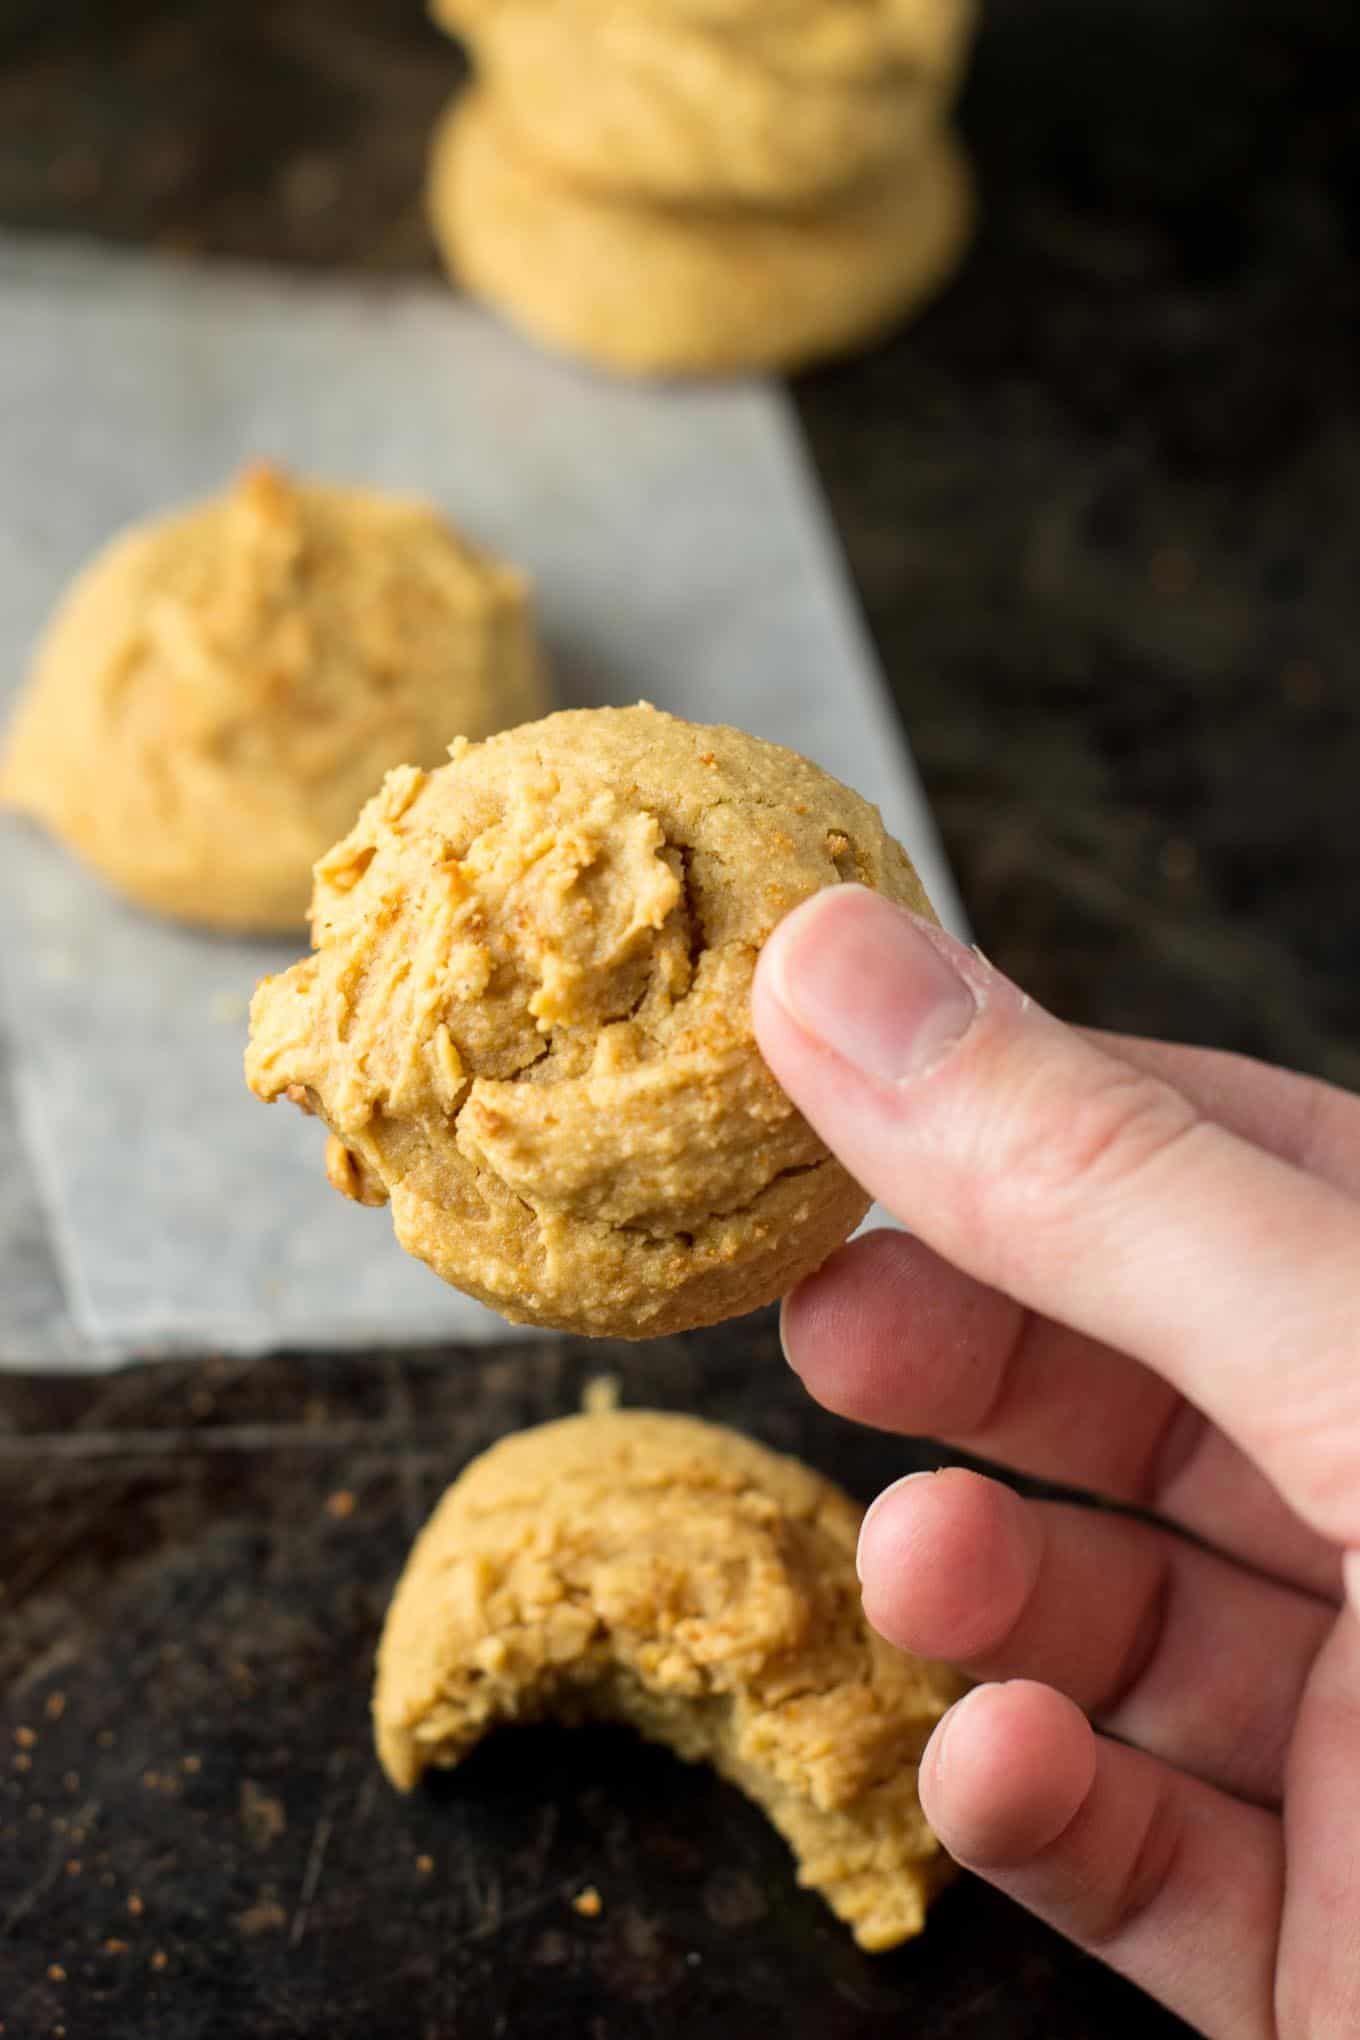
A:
(192, 1825)
(1101, 504)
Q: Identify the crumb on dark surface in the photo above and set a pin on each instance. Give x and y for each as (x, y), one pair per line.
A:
(212, 1612)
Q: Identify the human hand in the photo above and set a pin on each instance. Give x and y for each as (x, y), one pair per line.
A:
(1133, 1269)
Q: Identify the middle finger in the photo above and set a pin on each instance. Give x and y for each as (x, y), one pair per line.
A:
(1164, 1644)
(889, 1334)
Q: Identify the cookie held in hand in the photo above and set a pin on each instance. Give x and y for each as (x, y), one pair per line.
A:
(685, 1580)
(527, 1017)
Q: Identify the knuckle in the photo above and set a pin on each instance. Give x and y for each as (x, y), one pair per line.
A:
(1141, 1652)
(1173, 1457)
(1067, 1148)
(1142, 1879)
(1111, 1132)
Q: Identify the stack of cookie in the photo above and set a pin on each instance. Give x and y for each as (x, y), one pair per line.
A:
(701, 186)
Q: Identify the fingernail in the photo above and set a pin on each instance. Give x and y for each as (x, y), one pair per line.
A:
(865, 979)
(784, 1344)
(940, 1737)
(1351, 1569)
(927, 1473)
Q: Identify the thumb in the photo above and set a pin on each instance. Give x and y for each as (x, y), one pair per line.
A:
(1045, 1166)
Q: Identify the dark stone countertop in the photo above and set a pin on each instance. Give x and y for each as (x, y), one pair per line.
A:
(1102, 506)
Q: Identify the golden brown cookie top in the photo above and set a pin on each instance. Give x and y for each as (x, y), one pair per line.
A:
(224, 685)
(532, 981)
(851, 42)
(283, 625)
(687, 1579)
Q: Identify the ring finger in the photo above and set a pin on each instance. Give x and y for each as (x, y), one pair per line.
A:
(1164, 1644)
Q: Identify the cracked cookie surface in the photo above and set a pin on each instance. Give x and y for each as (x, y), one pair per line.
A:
(223, 686)
(527, 1017)
(677, 1576)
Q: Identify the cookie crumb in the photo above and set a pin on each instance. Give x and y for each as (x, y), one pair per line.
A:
(54, 1706)
(25, 1737)
(193, 1765)
(588, 1903)
(425, 1865)
(266, 1916)
(136, 1905)
(114, 1946)
(341, 1504)
(55, 1973)
(262, 1816)
(600, 1396)
(159, 1959)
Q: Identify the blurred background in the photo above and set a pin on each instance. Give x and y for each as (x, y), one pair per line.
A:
(1101, 501)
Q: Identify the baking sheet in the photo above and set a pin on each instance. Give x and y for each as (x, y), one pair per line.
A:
(681, 553)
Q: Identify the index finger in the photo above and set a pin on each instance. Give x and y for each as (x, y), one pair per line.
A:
(1095, 1192)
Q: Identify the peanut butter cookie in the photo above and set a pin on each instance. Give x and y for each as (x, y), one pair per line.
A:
(222, 687)
(844, 40)
(676, 1576)
(527, 1017)
(657, 291)
(632, 103)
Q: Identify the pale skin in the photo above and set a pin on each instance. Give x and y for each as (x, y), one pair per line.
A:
(1132, 1269)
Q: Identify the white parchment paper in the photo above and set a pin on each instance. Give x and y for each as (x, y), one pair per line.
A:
(681, 552)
